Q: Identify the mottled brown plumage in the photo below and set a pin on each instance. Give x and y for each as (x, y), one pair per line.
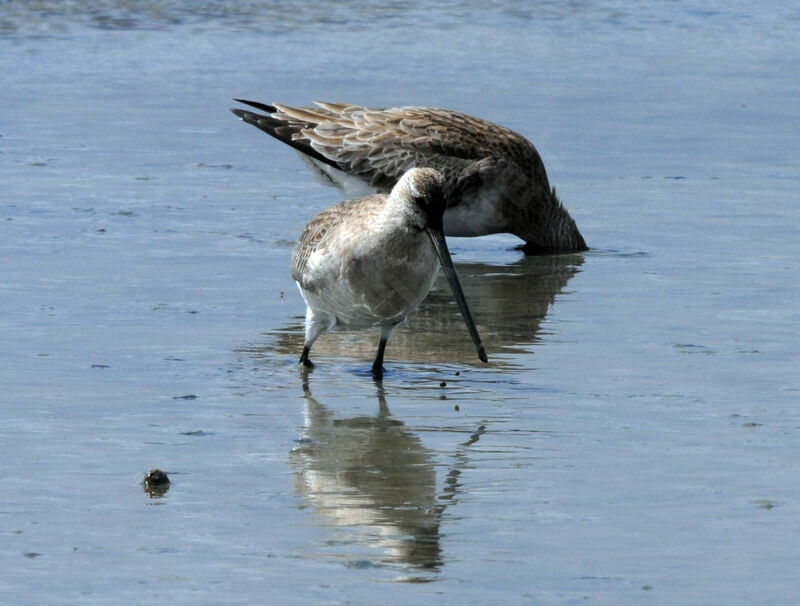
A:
(494, 177)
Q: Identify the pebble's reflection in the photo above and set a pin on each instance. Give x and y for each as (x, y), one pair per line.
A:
(375, 477)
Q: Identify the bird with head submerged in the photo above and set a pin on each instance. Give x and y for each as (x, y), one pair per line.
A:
(495, 179)
(371, 261)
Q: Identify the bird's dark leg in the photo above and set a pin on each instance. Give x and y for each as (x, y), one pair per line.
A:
(377, 365)
(316, 324)
(304, 357)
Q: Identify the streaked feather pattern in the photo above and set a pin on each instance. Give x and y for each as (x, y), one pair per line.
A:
(494, 177)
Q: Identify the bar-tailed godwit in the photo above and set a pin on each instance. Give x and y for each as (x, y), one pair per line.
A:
(371, 261)
(494, 178)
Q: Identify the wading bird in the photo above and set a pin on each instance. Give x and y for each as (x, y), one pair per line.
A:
(494, 178)
(371, 261)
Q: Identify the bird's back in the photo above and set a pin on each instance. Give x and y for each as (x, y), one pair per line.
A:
(338, 226)
(380, 145)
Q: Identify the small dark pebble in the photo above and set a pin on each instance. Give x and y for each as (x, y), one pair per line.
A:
(458, 373)
(155, 477)
(156, 483)
(31, 554)
(443, 384)
(456, 408)
(647, 587)
(190, 396)
(100, 366)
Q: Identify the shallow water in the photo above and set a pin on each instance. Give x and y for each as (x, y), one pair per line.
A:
(635, 436)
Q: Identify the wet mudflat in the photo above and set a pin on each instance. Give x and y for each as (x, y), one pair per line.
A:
(635, 436)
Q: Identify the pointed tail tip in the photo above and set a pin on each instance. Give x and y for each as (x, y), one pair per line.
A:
(265, 107)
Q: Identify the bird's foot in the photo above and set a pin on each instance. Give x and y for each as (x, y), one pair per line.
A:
(304, 361)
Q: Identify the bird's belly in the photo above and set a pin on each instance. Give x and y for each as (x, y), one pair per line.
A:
(350, 185)
(372, 292)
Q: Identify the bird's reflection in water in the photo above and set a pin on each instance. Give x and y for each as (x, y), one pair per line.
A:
(508, 302)
(372, 475)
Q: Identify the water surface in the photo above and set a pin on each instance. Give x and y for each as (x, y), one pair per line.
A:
(634, 438)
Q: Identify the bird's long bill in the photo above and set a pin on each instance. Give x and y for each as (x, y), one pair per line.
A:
(439, 244)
